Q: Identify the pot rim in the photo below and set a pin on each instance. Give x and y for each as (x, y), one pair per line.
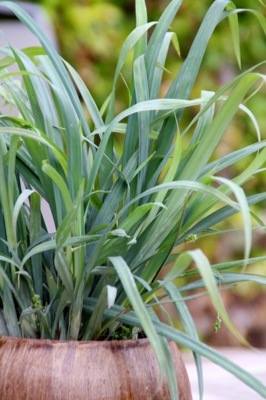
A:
(116, 342)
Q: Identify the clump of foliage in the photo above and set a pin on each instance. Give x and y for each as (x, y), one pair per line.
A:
(120, 208)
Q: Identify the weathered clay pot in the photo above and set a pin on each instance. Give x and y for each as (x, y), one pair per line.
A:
(53, 370)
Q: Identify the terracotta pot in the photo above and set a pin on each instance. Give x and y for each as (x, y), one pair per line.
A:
(53, 370)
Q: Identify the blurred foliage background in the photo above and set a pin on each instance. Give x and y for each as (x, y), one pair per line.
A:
(90, 34)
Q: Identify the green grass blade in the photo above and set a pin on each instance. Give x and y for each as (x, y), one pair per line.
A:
(155, 234)
(233, 157)
(237, 277)
(185, 79)
(218, 216)
(6, 207)
(188, 324)
(10, 314)
(71, 222)
(157, 38)
(142, 94)
(59, 181)
(159, 346)
(150, 105)
(18, 205)
(14, 146)
(138, 35)
(207, 275)
(95, 322)
(35, 233)
(52, 53)
(155, 85)
(260, 17)
(220, 123)
(141, 19)
(3, 327)
(64, 272)
(169, 176)
(87, 97)
(25, 65)
(244, 209)
(233, 21)
(137, 215)
(133, 38)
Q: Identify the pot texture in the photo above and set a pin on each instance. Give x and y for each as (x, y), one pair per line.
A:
(116, 370)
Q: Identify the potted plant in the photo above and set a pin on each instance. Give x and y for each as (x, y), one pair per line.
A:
(125, 190)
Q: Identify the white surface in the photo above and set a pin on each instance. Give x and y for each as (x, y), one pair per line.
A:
(220, 384)
(18, 34)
